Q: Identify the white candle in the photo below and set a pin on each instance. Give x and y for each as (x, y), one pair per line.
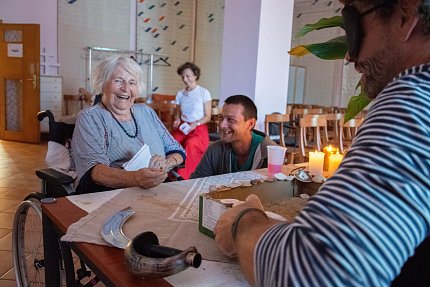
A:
(316, 163)
(334, 161)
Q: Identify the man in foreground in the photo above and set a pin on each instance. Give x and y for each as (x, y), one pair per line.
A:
(241, 147)
(366, 220)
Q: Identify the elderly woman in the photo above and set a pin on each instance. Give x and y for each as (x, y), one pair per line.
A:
(110, 133)
(190, 128)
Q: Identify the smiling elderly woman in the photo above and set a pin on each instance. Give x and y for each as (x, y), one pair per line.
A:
(110, 133)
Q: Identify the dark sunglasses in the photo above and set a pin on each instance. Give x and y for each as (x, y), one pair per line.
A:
(351, 24)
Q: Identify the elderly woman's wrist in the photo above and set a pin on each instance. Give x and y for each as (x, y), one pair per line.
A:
(171, 162)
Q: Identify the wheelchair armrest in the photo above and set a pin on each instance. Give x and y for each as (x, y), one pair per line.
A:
(54, 177)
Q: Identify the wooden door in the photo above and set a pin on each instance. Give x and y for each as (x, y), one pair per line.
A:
(19, 82)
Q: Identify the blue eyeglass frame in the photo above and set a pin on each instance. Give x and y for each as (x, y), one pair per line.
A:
(351, 24)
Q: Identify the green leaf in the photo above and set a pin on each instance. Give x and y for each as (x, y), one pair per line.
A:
(331, 50)
(335, 21)
(355, 105)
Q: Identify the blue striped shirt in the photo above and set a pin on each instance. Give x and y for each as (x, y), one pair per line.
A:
(98, 139)
(366, 220)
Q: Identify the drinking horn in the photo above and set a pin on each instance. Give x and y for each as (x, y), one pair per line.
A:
(143, 254)
(145, 257)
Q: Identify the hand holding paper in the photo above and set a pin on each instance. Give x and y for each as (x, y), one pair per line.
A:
(140, 160)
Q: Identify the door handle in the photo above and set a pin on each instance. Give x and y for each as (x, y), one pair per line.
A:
(34, 81)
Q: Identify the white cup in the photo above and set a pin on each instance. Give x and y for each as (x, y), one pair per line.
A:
(276, 155)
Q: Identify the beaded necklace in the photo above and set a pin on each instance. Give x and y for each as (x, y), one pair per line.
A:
(121, 126)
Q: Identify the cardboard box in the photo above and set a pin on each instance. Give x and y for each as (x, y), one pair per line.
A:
(276, 196)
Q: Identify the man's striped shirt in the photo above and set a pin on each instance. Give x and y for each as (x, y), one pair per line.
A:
(366, 220)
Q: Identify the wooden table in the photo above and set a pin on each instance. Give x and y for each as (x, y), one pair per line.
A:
(106, 262)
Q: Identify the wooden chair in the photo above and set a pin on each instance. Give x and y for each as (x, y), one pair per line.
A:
(156, 98)
(316, 123)
(351, 128)
(166, 112)
(280, 119)
(317, 111)
(324, 127)
(333, 122)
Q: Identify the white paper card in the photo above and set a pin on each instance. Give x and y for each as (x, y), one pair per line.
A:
(185, 128)
(140, 159)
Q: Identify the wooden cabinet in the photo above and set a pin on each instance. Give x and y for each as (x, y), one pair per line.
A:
(51, 98)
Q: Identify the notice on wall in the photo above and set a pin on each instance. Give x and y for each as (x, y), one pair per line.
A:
(14, 50)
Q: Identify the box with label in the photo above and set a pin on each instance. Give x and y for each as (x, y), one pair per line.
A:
(281, 197)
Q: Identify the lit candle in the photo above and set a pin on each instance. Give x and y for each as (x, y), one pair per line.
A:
(334, 162)
(328, 150)
(316, 163)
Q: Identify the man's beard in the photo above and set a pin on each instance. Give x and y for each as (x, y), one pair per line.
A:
(378, 71)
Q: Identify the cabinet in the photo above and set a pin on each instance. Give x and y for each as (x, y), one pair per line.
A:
(51, 98)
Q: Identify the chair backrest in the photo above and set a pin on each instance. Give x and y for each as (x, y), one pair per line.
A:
(166, 112)
(58, 131)
(312, 121)
(280, 119)
(317, 111)
(333, 122)
(351, 126)
(162, 98)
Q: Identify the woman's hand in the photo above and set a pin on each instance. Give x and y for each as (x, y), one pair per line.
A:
(150, 177)
(158, 162)
(176, 123)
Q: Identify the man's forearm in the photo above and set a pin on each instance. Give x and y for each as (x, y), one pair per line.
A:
(248, 231)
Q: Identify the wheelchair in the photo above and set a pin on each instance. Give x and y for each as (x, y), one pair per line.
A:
(27, 237)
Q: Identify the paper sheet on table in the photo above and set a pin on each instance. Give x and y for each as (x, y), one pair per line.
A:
(91, 201)
(169, 210)
(140, 159)
(210, 274)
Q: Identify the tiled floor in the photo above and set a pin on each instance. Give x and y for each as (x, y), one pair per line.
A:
(18, 163)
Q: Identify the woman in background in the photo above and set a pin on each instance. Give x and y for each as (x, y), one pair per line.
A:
(189, 126)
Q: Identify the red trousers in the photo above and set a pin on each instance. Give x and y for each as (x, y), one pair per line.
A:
(195, 145)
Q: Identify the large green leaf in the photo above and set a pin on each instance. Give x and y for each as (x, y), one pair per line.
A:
(355, 105)
(331, 50)
(335, 21)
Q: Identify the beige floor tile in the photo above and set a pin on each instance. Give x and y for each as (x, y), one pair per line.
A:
(6, 243)
(4, 232)
(6, 220)
(5, 204)
(15, 194)
(18, 163)
(9, 276)
(6, 262)
(8, 283)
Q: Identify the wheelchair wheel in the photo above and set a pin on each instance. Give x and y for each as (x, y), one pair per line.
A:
(27, 242)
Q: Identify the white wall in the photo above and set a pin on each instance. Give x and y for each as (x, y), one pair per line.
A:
(255, 61)
(273, 63)
(240, 45)
(83, 24)
(35, 12)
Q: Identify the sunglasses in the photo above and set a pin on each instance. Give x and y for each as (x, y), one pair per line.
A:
(351, 24)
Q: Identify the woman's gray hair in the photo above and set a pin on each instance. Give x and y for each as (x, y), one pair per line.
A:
(103, 72)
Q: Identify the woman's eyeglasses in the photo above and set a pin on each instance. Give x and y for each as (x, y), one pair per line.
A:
(118, 82)
(351, 23)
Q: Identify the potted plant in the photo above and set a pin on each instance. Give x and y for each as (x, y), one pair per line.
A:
(332, 49)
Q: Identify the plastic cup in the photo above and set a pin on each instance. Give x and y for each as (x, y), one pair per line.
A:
(276, 155)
